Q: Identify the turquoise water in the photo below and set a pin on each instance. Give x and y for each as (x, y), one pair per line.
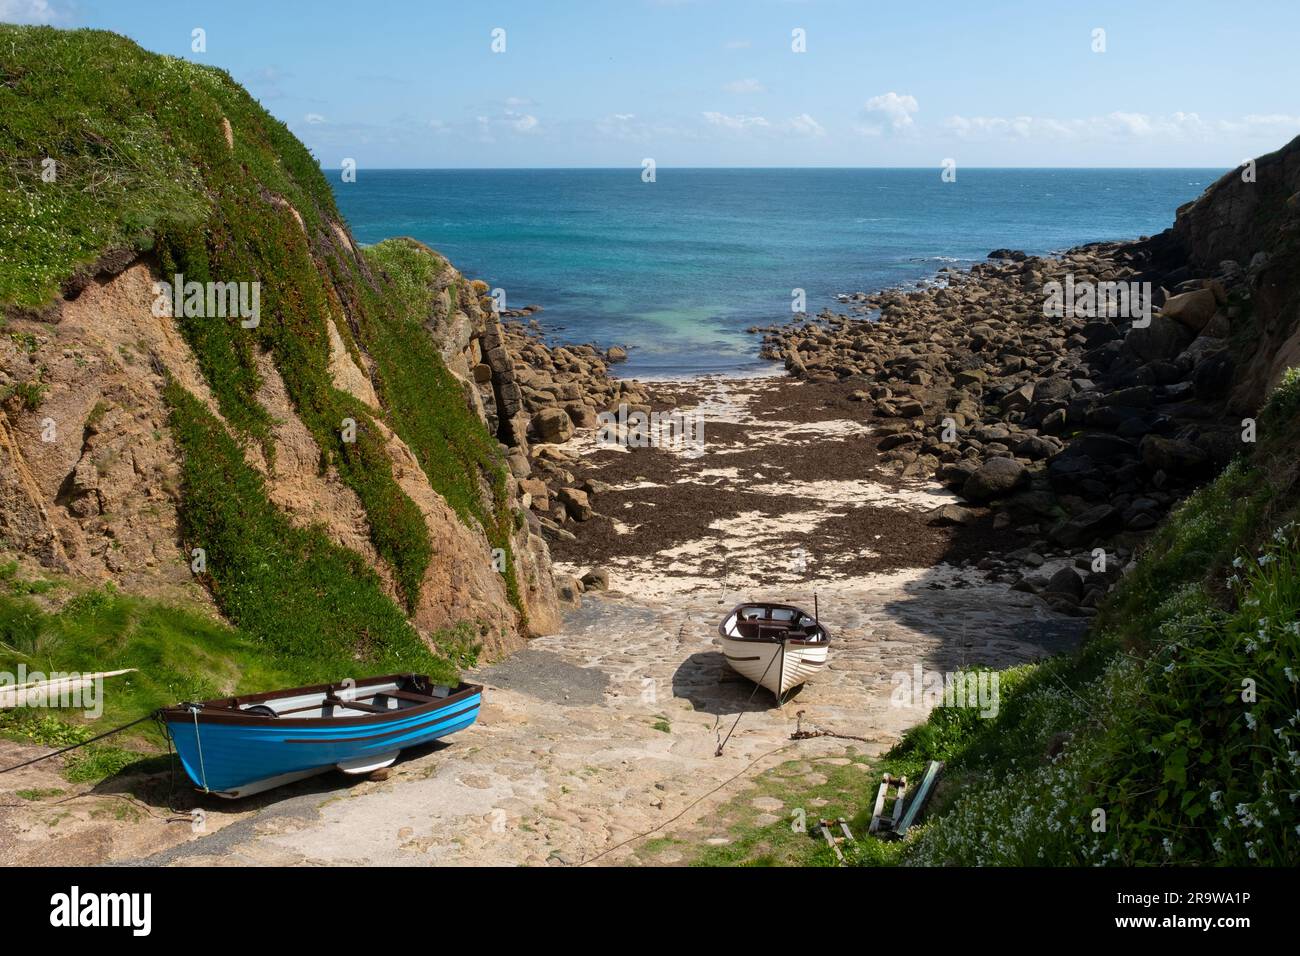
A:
(678, 268)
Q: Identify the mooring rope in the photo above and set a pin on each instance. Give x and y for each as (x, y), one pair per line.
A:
(198, 740)
(107, 733)
(690, 806)
(779, 652)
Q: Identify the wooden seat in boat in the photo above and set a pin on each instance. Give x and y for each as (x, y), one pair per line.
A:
(355, 705)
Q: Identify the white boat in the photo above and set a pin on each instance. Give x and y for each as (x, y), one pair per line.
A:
(777, 646)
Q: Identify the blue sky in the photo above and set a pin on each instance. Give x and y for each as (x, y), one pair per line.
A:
(716, 83)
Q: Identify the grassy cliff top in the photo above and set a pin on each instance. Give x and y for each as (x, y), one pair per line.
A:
(136, 140)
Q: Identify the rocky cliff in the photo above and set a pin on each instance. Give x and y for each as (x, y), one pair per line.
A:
(1246, 229)
(304, 424)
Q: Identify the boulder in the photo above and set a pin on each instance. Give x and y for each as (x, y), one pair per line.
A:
(1036, 448)
(896, 440)
(582, 416)
(1050, 389)
(551, 425)
(597, 579)
(1066, 581)
(576, 504)
(996, 477)
(1086, 526)
(1213, 376)
(568, 590)
(537, 491)
(952, 515)
(1101, 446)
(953, 474)
(1192, 309)
(1174, 456)
(1018, 399)
(1162, 340)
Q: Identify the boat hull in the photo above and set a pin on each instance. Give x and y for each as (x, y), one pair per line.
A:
(779, 666)
(235, 755)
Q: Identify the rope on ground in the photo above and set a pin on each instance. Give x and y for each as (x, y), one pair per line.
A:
(690, 806)
(107, 733)
(134, 801)
(780, 650)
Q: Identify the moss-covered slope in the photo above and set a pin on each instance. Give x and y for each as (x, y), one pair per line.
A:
(112, 156)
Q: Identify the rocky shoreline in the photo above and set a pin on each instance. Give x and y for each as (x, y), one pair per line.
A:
(1063, 436)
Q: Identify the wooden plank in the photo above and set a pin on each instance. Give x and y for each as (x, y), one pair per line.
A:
(922, 792)
(880, 805)
(356, 705)
(15, 695)
(830, 840)
(898, 802)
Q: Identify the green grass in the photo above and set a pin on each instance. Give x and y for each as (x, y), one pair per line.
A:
(297, 595)
(1161, 742)
(39, 793)
(1171, 736)
(178, 654)
(792, 840)
(136, 138)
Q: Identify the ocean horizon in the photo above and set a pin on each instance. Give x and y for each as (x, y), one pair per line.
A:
(676, 269)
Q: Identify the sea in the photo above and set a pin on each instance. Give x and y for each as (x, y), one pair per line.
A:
(677, 269)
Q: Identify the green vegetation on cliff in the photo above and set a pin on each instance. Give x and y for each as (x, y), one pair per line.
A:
(456, 453)
(175, 161)
(1179, 719)
(295, 593)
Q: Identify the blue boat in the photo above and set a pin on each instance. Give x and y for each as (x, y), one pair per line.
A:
(237, 746)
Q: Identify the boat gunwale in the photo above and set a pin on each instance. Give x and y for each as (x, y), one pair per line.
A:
(788, 641)
(225, 710)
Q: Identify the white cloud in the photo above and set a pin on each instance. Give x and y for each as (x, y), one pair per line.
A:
(1120, 125)
(32, 12)
(506, 121)
(891, 111)
(516, 102)
(801, 125)
(805, 124)
(314, 119)
(737, 123)
(628, 127)
(522, 122)
(748, 85)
